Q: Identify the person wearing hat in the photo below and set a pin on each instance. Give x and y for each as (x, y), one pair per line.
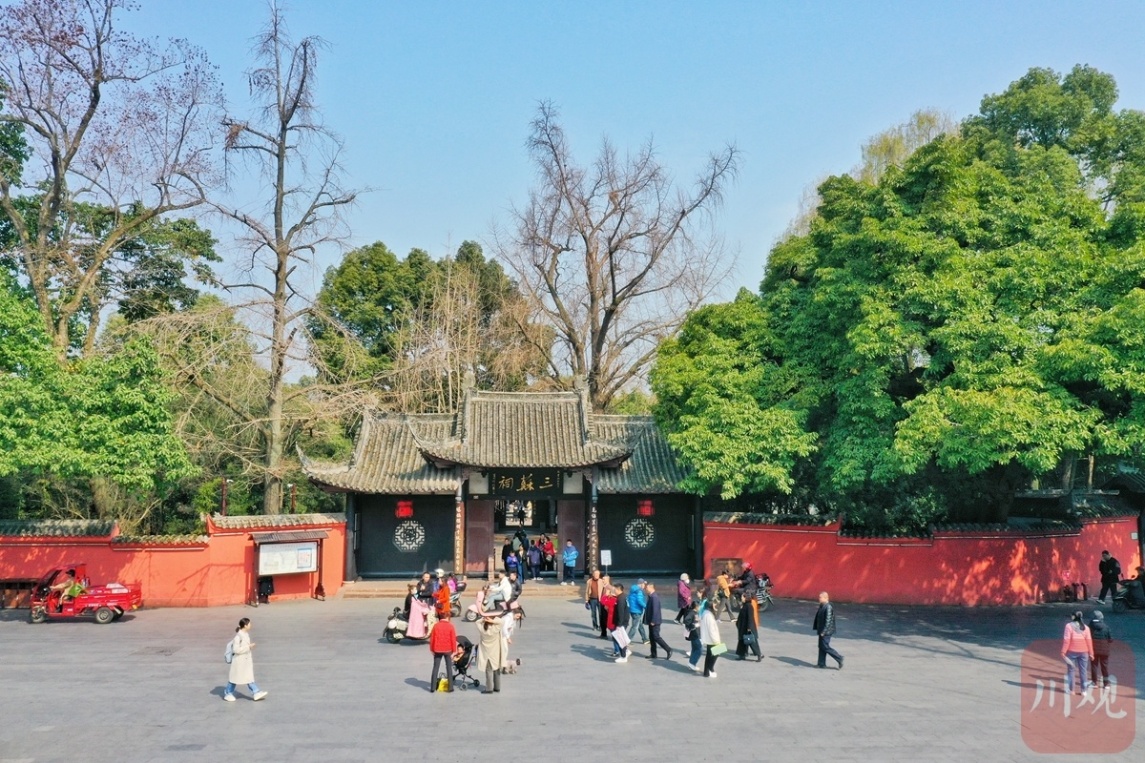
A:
(1102, 644)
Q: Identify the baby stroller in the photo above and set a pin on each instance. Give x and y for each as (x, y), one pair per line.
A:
(463, 661)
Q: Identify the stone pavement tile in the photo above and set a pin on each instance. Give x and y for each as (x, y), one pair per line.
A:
(919, 684)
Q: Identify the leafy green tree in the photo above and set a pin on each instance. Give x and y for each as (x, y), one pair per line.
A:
(416, 327)
(369, 299)
(722, 402)
(105, 418)
(945, 333)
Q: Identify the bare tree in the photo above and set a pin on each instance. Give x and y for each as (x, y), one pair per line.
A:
(297, 157)
(452, 335)
(612, 256)
(118, 133)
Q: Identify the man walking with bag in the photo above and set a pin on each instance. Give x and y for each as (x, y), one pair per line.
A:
(824, 625)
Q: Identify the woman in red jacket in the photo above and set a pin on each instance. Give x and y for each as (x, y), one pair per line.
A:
(608, 604)
(443, 643)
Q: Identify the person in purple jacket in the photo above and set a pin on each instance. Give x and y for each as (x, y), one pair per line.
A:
(683, 596)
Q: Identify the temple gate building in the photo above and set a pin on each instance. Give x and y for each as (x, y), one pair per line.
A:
(446, 490)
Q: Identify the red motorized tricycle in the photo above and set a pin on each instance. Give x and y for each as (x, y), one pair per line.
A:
(65, 592)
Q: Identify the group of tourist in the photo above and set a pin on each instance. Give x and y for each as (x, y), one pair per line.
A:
(622, 616)
(531, 558)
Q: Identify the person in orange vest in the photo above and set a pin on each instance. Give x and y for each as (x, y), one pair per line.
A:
(441, 601)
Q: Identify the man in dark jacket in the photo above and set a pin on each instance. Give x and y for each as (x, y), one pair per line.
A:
(1110, 570)
(1102, 643)
(824, 625)
(654, 618)
(621, 620)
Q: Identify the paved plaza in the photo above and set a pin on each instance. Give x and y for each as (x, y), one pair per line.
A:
(920, 684)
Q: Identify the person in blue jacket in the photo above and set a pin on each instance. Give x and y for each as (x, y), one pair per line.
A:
(637, 601)
(569, 556)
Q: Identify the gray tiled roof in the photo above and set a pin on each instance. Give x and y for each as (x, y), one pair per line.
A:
(652, 467)
(274, 521)
(386, 459)
(523, 430)
(515, 430)
(57, 528)
(161, 540)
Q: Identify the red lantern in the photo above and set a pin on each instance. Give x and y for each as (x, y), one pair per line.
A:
(644, 508)
(404, 510)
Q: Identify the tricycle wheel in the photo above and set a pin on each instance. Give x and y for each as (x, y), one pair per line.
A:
(118, 614)
(104, 615)
(455, 610)
(1119, 606)
(39, 615)
(470, 616)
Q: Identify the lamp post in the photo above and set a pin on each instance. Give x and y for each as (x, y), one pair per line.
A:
(224, 506)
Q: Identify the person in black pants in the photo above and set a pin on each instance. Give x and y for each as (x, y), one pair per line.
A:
(748, 630)
(1110, 570)
(1102, 643)
(824, 625)
(653, 618)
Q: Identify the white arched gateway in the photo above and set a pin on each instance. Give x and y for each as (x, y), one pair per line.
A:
(445, 490)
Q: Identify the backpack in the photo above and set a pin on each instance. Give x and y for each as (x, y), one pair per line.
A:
(229, 653)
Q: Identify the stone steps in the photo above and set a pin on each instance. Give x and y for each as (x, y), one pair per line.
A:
(396, 589)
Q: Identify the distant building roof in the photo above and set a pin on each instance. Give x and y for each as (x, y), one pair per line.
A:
(416, 454)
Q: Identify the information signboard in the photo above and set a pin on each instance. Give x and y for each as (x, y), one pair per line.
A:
(287, 558)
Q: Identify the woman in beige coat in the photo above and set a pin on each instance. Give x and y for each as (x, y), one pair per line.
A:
(242, 663)
(491, 656)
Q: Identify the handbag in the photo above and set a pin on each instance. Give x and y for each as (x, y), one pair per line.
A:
(749, 638)
(718, 649)
(621, 637)
(443, 684)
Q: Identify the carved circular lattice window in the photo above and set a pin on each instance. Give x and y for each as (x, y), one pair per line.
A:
(639, 533)
(409, 535)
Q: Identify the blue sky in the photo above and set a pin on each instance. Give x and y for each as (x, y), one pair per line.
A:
(433, 99)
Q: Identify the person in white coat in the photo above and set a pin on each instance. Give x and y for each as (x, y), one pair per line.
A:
(242, 664)
(709, 637)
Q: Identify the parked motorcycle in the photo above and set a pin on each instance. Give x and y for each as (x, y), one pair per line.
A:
(1127, 598)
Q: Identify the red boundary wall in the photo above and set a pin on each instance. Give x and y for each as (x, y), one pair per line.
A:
(217, 569)
(970, 568)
